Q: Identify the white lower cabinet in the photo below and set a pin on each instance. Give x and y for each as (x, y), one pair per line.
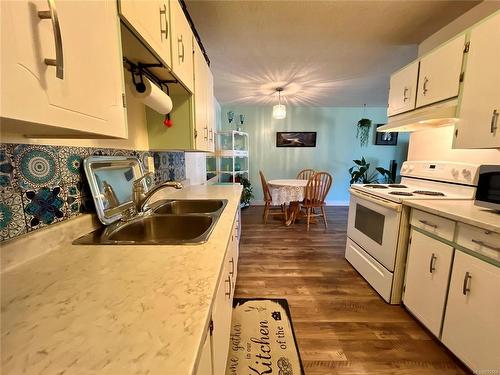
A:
(427, 273)
(220, 326)
(471, 325)
(205, 361)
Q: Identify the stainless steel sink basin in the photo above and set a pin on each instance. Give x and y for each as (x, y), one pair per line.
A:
(191, 206)
(162, 229)
(175, 222)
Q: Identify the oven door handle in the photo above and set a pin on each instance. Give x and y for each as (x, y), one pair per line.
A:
(382, 202)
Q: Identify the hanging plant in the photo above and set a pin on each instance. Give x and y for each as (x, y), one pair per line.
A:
(363, 129)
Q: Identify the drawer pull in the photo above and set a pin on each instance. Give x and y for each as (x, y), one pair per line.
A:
(482, 243)
(494, 120)
(425, 222)
(466, 286)
(228, 280)
(432, 263)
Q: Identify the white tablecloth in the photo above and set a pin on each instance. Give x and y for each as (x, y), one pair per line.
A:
(286, 191)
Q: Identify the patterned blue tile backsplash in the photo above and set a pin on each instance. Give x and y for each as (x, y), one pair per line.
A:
(41, 185)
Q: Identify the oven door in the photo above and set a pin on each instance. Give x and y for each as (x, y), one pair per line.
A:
(374, 225)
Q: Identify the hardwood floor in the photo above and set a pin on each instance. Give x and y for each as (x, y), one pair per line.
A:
(341, 323)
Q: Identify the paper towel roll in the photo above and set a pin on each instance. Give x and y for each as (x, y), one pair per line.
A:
(154, 97)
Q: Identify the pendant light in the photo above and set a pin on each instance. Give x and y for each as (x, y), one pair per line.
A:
(279, 110)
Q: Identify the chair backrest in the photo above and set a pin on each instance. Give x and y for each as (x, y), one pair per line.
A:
(305, 174)
(265, 188)
(317, 188)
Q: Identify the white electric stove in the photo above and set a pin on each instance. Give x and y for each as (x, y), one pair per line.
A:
(378, 224)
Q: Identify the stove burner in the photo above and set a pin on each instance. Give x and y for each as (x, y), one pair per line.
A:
(376, 186)
(404, 193)
(428, 192)
(398, 186)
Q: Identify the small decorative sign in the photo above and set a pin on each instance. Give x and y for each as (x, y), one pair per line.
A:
(295, 139)
(386, 139)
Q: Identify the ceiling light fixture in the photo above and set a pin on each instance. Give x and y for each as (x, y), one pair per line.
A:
(279, 110)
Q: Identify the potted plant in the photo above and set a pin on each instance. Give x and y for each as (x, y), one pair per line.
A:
(363, 131)
(360, 173)
(247, 194)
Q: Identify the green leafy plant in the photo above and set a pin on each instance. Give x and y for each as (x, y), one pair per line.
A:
(247, 194)
(361, 174)
(363, 131)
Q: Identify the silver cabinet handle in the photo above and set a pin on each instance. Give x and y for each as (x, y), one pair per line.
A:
(163, 12)
(58, 62)
(228, 280)
(466, 285)
(482, 243)
(181, 42)
(211, 135)
(405, 98)
(206, 133)
(494, 120)
(432, 263)
(424, 87)
(425, 222)
(232, 266)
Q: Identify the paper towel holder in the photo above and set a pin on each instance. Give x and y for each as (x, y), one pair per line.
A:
(141, 70)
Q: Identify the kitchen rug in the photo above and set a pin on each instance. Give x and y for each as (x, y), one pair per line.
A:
(262, 339)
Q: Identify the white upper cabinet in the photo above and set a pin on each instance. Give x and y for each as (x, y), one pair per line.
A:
(403, 89)
(200, 100)
(182, 45)
(471, 330)
(427, 272)
(479, 125)
(150, 19)
(439, 77)
(61, 77)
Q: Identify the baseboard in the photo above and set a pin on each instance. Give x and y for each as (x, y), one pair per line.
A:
(328, 203)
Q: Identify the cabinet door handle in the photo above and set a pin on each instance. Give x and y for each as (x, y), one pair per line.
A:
(405, 98)
(425, 222)
(232, 266)
(482, 243)
(466, 285)
(228, 280)
(494, 120)
(432, 263)
(211, 135)
(181, 54)
(163, 12)
(58, 62)
(424, 87)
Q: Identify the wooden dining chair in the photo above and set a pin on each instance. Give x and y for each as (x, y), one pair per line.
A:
(305, 174)
(317, 189)
(268, 199)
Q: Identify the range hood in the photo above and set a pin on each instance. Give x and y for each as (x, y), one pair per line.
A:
(433, 116)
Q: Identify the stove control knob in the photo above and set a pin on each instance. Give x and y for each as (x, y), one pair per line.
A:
(466, 173)
(455, 173)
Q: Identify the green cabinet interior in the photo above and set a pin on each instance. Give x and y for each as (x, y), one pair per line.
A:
(181, 135)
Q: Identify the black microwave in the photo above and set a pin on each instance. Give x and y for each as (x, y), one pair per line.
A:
(488, 187)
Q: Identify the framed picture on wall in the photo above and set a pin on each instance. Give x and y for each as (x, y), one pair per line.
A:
(295, 139)
(386, 139)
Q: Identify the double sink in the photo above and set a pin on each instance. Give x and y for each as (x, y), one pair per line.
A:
(170, 222)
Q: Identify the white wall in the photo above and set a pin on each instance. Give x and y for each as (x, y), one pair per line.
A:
(436, 144)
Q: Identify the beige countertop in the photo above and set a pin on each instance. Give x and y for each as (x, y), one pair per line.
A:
(460, 210)
(114, 309)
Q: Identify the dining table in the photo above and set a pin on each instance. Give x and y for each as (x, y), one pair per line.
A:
(288, 192)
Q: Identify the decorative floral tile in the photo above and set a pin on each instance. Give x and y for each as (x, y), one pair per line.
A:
(36, 166)
(12, 221)
(71, 163)
(6, 165)
(43, 206)
(143, 157)
(74, 202)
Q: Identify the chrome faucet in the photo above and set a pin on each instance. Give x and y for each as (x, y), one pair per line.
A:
(142, 197)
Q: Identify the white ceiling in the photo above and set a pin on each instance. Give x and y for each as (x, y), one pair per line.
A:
(324, 53)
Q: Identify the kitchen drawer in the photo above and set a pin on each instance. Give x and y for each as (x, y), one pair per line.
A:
(479, 240)
(433, 224)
